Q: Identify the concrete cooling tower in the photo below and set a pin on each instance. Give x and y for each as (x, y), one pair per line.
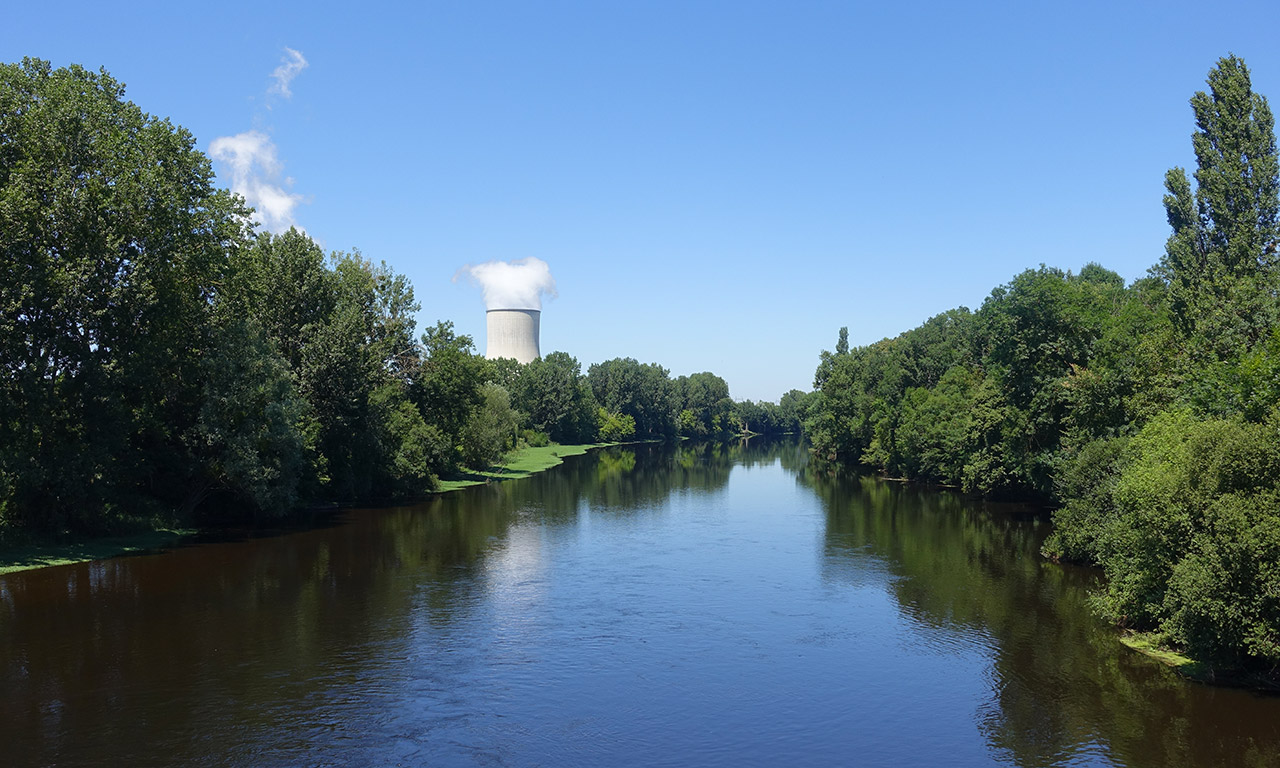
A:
(513, 333)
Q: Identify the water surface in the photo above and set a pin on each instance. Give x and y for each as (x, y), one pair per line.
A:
(695, 605)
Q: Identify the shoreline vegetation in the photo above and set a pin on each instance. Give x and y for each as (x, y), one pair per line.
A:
(1147, 414)
(1154, 648)
(31, 555)
(168, 364)
(216, 374)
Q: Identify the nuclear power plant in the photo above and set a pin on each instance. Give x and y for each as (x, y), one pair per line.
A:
(513, 333)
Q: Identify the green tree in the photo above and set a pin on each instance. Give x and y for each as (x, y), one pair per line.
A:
(703, 404)
(557, 399)
(1190, 537)
(1220, 262)
(615, 427)
(643, 392)
(793, 407)
(113, 243)
(283, 282)
(254, 438)
(450, 384)
(490, 431)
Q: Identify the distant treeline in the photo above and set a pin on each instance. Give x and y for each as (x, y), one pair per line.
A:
(1150, 413)
(160, 361)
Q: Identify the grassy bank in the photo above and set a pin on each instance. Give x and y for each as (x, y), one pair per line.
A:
(22, 557)
(518, 464)
(1149, 645)
(25, 556)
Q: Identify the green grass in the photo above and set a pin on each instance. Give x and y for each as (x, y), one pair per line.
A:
(1148, 645)
(516, 465)
(1199, 671)
(40, 555)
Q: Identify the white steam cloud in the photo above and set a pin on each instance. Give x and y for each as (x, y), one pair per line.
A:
(255, 173)
(518, 284)
(290, 65)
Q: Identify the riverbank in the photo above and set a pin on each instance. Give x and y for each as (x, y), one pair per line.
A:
(26, 556)
(519, 464)
(37, 554)
(1198, 671)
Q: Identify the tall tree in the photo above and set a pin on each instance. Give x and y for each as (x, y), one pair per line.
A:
(643, 392)
(451, 384)
(558, 400)
(1220, 262)
(113, 245)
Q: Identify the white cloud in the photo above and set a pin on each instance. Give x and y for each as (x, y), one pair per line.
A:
(251, 158)
(518, 284)
(255, 173)
(291, 64)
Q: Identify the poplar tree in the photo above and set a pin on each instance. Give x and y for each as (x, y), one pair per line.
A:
(1220, 262)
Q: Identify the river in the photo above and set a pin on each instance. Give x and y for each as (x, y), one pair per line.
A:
(697, 605)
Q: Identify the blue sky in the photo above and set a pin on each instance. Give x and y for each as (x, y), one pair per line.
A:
(716, 185)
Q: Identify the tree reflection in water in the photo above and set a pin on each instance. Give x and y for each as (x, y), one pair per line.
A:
(1063, 689)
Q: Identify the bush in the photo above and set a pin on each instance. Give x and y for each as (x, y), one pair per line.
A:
(534, 439)
(1086, 483)
(616, 427)
(1191, 538)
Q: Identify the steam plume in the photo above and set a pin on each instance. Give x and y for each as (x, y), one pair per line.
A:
(518, 284)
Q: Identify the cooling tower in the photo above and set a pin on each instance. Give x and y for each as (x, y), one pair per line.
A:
(513, 333)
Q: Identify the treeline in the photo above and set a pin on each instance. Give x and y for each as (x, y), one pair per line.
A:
(161, 361)
(1149, 413)
(622, 399)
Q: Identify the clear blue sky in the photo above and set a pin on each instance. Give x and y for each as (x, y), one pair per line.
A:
(716, 185)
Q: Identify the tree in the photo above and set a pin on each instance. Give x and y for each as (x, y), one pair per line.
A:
(449, 386)
(282, 281)
(490, 430)
(703, 405)
(113, 244)
(553, 392)
(643, 392)
(1220, 262)
(1184, 523)
(345, 331)
(254, 436)
(792, 409)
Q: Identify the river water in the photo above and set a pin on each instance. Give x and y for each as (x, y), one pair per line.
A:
(658, 606)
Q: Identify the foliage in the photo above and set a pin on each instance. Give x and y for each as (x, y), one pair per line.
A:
(643, 392)
(703, 405)
(491, 430)
(556, 398)
(1220, 261)
(113, 242)
(1148, 411)
(1189, 536)
(449, 385)
(615, 427)
(254, 435)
